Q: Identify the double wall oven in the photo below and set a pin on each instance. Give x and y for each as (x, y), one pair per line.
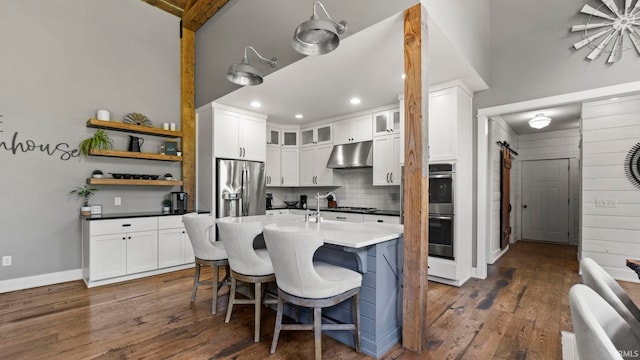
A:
(441, 210)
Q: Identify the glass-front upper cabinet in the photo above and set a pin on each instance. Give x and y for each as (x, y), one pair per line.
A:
(316, 135)
(273, 136)
(278, 136)
(386, 122)
(289, 138)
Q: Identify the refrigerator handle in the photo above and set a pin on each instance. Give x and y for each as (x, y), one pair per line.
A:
(245, 193)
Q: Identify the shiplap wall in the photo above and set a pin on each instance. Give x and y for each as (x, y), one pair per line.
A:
(562, 144)
(500, 131)
(610, 235)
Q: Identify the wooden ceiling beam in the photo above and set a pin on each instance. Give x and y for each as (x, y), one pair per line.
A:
(200, 12)
(174, 7)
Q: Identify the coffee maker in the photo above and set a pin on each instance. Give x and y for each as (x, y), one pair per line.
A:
(269, 200)
(303, 201)
(179, 202)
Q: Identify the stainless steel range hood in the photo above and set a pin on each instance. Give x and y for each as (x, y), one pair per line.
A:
(351, 156)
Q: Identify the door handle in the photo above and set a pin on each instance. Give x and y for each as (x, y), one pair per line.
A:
(240, 155)
(391, 177)
(282, 181)
(387, 177)
(524, 206)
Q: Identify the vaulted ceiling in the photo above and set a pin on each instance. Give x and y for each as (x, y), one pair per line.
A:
(193, 13)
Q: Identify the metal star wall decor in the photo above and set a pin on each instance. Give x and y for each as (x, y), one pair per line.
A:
(606, 27)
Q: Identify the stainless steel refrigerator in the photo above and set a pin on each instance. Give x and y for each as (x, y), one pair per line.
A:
(240, 188)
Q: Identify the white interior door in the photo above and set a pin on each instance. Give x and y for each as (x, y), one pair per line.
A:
(545, 200)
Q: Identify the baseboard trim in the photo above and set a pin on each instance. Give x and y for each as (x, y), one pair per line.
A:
(39, 280)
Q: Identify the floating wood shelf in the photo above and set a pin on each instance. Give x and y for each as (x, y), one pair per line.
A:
(134, 155)
(138, 129)
(103, 181)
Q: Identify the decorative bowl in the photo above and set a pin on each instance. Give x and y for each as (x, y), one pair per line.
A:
(291, 203)
(154, 177)
(116, 175)
(126, 176)
(145, 177)
(136, 176)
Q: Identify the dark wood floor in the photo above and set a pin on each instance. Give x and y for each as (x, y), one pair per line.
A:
(516, 313)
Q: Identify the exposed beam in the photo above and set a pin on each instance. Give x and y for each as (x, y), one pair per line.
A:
(172, 7)
(200, 12)
(416, 182)
(188, 113)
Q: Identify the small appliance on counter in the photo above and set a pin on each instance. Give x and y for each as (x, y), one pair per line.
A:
(269, 200)
(303, 201)
(179, 202)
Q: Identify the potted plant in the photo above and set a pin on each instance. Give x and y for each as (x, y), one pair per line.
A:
(166, 205)
(84, 192)
(99, 140)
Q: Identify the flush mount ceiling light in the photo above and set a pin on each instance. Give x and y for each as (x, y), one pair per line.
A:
(317, 37)
(355, 101)
(539, 121)
(299, 116)
(244, 73)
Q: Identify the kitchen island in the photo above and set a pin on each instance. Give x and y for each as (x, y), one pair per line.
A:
(373, 249)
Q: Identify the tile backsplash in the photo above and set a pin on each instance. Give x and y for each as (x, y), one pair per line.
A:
(353, 188)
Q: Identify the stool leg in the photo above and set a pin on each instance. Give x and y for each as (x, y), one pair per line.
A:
(276, 331)
(232, 298)
(258, 305)
(196, 280)
(317, 331)
(355, 310)
(214, 304)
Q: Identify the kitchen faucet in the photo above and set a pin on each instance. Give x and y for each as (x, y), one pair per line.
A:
(318, 197)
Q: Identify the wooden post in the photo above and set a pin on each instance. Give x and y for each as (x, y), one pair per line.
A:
(416, 182)
(188, 113)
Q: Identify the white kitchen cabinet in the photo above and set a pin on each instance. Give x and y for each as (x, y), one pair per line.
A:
(386, 122)
(386, 160)
(355, 129)
(449, 110)
(313, 166)
(389, 219)
(119, 247)
(316, 135)
(273, 166)
(174, 246)
(238, 135)
(279, 136)
(290, 173)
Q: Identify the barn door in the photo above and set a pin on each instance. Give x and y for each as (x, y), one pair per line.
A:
(505, 195)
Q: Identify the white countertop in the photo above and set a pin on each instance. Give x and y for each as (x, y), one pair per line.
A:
(353, 235)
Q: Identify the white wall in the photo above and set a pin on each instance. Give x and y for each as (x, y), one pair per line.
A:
(500, 131)
(60, 61)
(563, 144)
(610, 235)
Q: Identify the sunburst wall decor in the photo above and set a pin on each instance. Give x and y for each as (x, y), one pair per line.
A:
(606, 27)
(632, 165)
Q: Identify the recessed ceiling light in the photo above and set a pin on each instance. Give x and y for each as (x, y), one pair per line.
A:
(298, 116)
(355, 101)
(403, 76)
(256, 104)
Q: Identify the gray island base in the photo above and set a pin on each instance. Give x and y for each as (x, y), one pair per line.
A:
(373, 249)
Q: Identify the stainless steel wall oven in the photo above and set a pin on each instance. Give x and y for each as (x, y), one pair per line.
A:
(441, 210)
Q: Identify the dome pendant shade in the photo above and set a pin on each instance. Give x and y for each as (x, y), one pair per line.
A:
(318, 37)
(539, 121)
(244, 73)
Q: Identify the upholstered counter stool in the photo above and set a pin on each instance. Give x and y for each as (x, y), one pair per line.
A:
(303, 282)
(207, 253)
(247, 265)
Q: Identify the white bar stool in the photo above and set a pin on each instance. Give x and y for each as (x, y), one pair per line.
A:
(206, 253)
(247, 265)
(303, 282)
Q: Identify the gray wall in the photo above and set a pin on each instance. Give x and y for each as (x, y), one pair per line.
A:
(60, 60)
(269, 26)
(532, 54)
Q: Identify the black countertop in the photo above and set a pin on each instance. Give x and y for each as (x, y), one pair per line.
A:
(137, 215)
(353, 211)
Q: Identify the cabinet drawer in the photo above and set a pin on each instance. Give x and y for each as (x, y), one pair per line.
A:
(382, 219)
(170, 222)
(99, 227)
(340, 216)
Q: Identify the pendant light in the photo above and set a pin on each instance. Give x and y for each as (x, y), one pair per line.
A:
(244, 73)
(317, 37)
(539, 121)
